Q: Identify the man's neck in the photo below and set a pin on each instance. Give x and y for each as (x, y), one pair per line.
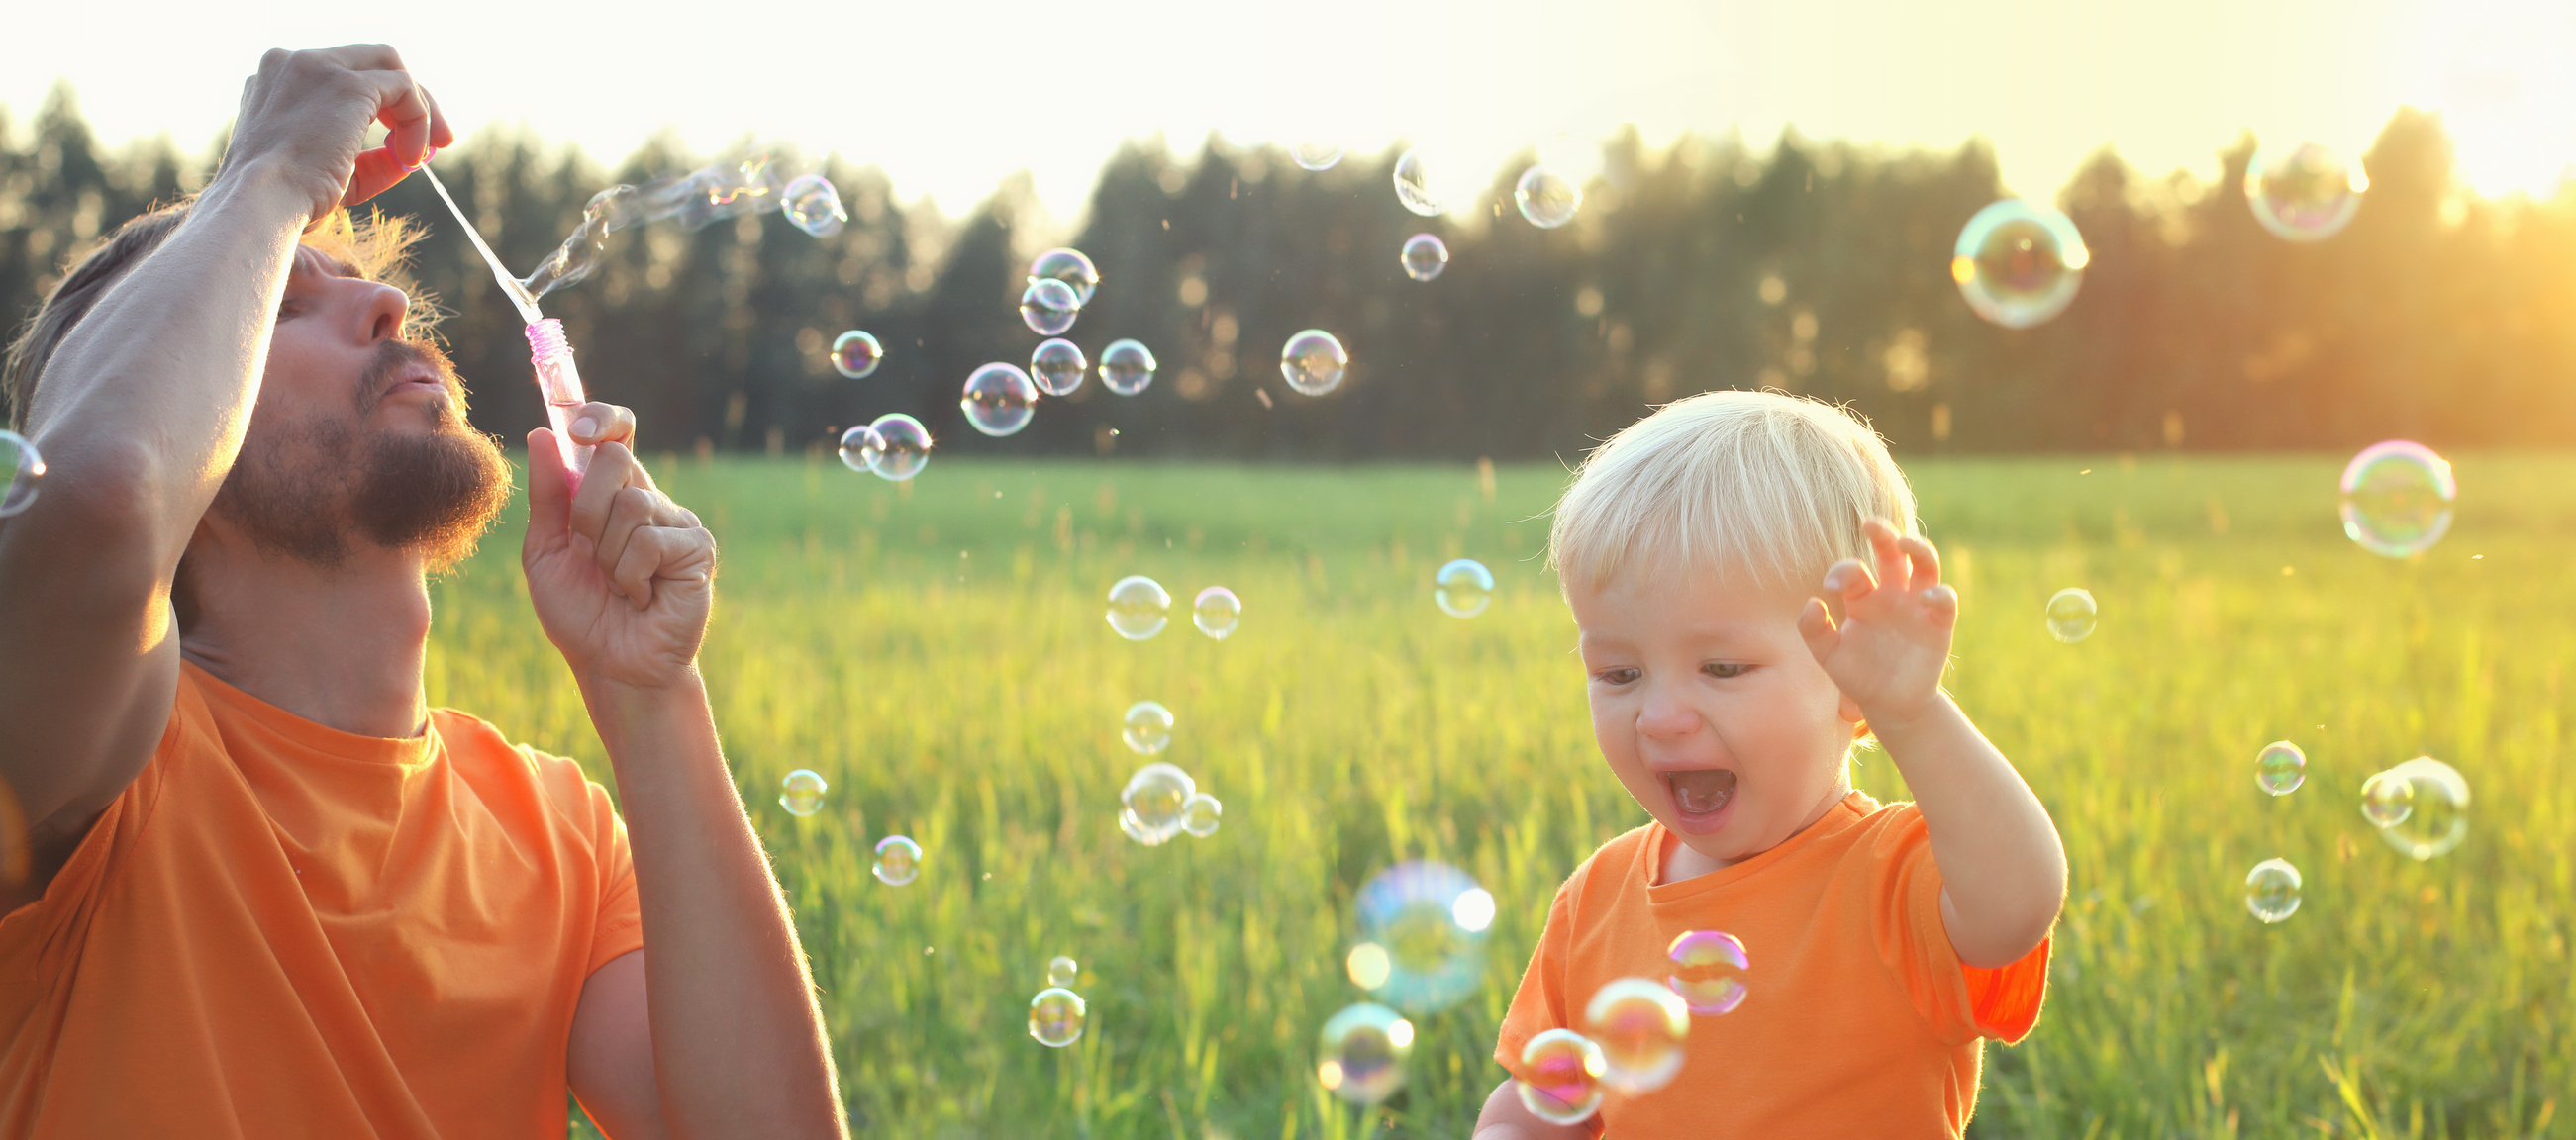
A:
(338, 646)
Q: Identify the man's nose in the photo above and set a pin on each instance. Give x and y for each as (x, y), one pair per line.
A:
(380, 312)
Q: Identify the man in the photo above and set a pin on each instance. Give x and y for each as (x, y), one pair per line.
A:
(273, 894)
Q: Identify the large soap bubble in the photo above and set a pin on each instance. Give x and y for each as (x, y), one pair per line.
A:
(1428, 920)
(2303, 192)
(2397, 498)
(999, 399)
(2018, 264)
(1139, 607)
(2437, 818)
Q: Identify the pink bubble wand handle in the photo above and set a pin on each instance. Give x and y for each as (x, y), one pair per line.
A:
(561, 384)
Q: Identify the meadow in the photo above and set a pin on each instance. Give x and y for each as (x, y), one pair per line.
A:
(936, 649)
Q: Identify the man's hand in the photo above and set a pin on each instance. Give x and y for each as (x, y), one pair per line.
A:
(1888, 653)
(304, 116)
(621, 576)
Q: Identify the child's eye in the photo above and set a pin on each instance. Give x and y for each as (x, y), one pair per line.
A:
(1725, 669)
(1617, 676)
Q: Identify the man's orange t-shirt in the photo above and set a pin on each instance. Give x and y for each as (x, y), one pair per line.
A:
(279, 929)
(1860, 1020)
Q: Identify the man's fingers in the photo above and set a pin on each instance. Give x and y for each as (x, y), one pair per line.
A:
(632, 509)
(611, 467)
(597, 423)
(664, 554)
(549, 489)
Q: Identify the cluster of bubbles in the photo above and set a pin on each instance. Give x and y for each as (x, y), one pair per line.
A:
(2421, 807)
(21, 469)
(895, 447)
(1139, 608)
(1636, 1031)
(1421, 950)
(1057, 1014)
(1463, 587)
(1161, 801)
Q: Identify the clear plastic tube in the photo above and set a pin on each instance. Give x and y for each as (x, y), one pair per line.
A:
(561, 384)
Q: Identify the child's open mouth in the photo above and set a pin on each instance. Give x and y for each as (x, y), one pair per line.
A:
(1701, 793)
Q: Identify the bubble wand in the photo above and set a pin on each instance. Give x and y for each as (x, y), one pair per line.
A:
(557, 379)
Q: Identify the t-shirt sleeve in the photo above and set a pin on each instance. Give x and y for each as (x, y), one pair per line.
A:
(1540, 1003)
(1958, 1000)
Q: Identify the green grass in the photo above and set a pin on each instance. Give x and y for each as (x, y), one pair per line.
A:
(936, 650)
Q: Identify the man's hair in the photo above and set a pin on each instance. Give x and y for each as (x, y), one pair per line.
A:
(375, 247)
(1763, 484)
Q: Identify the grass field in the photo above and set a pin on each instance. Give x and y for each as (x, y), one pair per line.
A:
(937, 650)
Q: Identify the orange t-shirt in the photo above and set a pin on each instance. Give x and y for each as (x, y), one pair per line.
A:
(279, 929)
(1860, 1020)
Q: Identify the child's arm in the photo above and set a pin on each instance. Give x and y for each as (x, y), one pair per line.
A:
(2003, 869)
(1505, 1118)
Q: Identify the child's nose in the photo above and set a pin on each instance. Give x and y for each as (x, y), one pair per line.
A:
(1665, 716)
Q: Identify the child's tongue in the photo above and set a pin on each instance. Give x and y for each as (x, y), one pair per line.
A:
(1702, 791)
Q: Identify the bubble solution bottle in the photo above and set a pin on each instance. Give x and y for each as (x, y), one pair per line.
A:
(561, 384)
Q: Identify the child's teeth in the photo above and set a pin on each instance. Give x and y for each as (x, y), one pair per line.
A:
(1703, 791)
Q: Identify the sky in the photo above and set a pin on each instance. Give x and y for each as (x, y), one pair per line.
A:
(950, 99)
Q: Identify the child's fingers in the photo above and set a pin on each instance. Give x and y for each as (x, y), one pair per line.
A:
(1943, 604)
(1817, 628)
(1927, 563)
(1850, 580)
(1890, 559)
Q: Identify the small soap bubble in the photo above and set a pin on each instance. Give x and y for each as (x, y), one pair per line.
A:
(1071, 267)
(2272, 890)
(1313, 362)
(2387, 799)
(1641, 1026)
(1413, 185)
(1708, 971)
(1563, 1085)
(1200, 815)
(860, 447)
(21, 471)
(2437, 820)
(855, 354)
(1361, 1053)
(2280, 768)
(1424, 256)
(2397, 498)
(1154, 797)
(1316, 155)
(1139, 607)
(1049, 306)
(801, 793)
(1058, 366)
(1062, 971)
(815, 207)
(999, 399)
(2019, 264)
(1056, 1016)
(1216, 612)
(1413, 911)
(2071, 613)
(1148, 728)
(1463, 588)
(898, 860)
(1546, 198)
(2304, 192)
(903, 446)
(1126, 366)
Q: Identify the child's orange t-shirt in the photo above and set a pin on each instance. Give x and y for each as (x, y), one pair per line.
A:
(279, 929)
(1859, 1020)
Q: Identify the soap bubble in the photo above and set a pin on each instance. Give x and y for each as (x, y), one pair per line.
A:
(1463, 588)
(2070, 615)
(1368, 965)
(1424, 256)
(1154, 797)
(1546, 198)
(1138, 607)
(903, 446)
(1413, 185)
(1362, 1052)
(855, 354)
(815, 207)
(1216, 612)
(1708, 969)
(1070, 267)
(2272, 890)
(21, 470)
(2387, 799)
(1126, 366)
(1056, 1016)
(1200, 815)
(898, 860)
(2439, 818)
(2397, 498)
(801, 793)
(1062, 971)
(860, 447)
(1049, 306)
(1563, 1085)
(2280, 768)
(1313, 362)
(1127, 823)
(1317, 156)
(1058, 366)
(2304, 192)
(1148, 728)
(1412, 911)
(999, 399)
(2018, 264)
(1640, 1025)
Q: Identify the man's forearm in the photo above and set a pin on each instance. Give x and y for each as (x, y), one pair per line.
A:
(738, 1044)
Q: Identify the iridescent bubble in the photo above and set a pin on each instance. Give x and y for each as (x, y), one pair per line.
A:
(1412, 911)
(1708, 971)
(1424, 256)
(1413, 185)
(1641, 1026)
(1216, 612)
(1058, 366)
(1126, 366)
(1562, 1081)
(1546, 198)
(1463, 587)
(1139, 607)
(2387, 799)
(2304, 192)
(1313, 362)
(2438, 820)
(2071, 613)
(2019, 264)
(1056, 1016)
(903, 446)
(855, 354)
(21, 471)
(1062, 971)
(999, 399)
(1070, 267)
(1148, 728)
(801, 793)
(2280, 768)
(898, 860)
(1361, 1053)
(2272, 890)
(860, 447)
(1127, 823)
(815, 207)
(1154, 797)
(1317, 156)
(2397, 498)
(1200, 815)
(1049, 306)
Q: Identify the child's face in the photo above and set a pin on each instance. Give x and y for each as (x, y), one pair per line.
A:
(1711, 710)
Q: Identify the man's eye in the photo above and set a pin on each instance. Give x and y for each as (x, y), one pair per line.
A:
(1616, 676)
(288, 308)
(1723, 670)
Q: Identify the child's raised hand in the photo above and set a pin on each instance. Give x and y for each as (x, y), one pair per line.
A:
(1894, 640)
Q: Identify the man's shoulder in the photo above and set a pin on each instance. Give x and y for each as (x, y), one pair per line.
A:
(486, 757)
